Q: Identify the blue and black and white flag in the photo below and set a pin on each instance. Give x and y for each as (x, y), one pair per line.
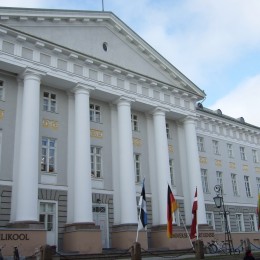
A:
(142, 222)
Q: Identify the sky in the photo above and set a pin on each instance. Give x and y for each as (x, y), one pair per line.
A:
(215, 43)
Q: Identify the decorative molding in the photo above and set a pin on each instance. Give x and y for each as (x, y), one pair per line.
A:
(2, 113)
(51, 124)
(203, 160)
(245, 168)
(257, 169)
(137, 142)
(232, 165)
(170, 148)
(218, 163)
(96, 133)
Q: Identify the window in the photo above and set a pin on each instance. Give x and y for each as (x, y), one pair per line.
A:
(96, 161)
(252, 222)
(137, 165)
(240, 222)
(95, 113)
(230, 151)
(247, 186)
(210, 219)
(200, 143)
(220, 180)
(242, 153)
(168, 131)
(215, 147)
(47, 215)
(49, 102)
(204, 179)
(172, 172)
(234, 184)
(255, 156)
(134, 121)
(258, 184)
(2, 91)
(48, 161)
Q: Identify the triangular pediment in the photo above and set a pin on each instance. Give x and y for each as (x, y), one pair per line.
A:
(88, 32)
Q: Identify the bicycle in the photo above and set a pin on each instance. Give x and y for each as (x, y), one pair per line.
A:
(1, 255)
(210, 248)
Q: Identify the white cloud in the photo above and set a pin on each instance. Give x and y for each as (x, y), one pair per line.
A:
(243, 101)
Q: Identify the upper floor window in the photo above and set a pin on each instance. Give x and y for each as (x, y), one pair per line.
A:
(172, 172)
(255, 156)
(200, 143)
(204, 180)
(258, 184)
(137, 166)
(220, 180)
(2, 91)
(95, 113)
(49, 102)
(48, 161)
(247, 186)
(230, 151)
(96, 161)
(242, 153)
(215, 146)
(234, 184)
(134, 121)
(240, 222)
(252, 222)
(168, 131)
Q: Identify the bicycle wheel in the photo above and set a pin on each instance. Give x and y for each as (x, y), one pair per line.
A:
(236, 251)
(213, 248)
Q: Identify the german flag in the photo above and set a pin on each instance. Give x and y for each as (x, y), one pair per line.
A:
(258, 211)
(172, 205)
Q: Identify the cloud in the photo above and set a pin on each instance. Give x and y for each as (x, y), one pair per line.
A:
(243, 101)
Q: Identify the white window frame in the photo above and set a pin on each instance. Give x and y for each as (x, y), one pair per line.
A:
(2, 91)
(240, 222)
(215, 144)
(252, 222)
(95, 113)
(47, 212)
(49, 102)
(96, 161)
(219, 176)
(200, 143)
(234, 184)
(137, 167)
(204, 180)
(242, 153)
(230, 150)
(49, 155)
(210, 219)
(222, 222)
(135, 122)
(168, 133)
(247, 186)
(172, 174)
(255, 156)
(258, 184)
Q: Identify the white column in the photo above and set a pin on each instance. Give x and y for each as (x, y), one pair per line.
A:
(193, 167)
(162, 162)
(82, 170)
(27, 186)
(128, 203)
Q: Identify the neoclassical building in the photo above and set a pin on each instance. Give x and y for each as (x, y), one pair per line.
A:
(87, 110)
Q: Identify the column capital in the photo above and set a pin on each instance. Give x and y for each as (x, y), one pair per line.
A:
(124, 99)
(160, 110)
(32, 72)
(82, 88)
(189, 119)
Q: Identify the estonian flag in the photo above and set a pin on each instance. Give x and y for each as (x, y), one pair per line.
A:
(142, 223)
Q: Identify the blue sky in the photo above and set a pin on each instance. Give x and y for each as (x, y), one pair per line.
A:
(216, 44)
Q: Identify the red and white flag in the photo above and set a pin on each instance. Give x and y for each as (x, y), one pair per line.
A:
(194, 224)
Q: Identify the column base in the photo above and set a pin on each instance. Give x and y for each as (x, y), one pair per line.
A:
(124, 236)
(84, 238)
(27, 236)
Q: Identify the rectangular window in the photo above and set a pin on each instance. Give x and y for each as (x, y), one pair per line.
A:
(49, 102)
(95, 113)
(240, 222)
(224, 225)
(2, 91)
(234, 184)
(137, 165)
(242, 153)
(252, 222)
(47, 215)
(258, 184)
(210, 219)
(134, 121)
(230, 151)
(168, 131)
(204, 179)
(247, 186)
(255, 156)
(220, 180)
(171, 163)
(200, 143)
(48, 161)
(96, 161)
(215, 147)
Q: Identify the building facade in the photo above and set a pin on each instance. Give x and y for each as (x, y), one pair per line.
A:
(87, 110)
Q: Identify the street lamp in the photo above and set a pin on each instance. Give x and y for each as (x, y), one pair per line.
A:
(219, 202)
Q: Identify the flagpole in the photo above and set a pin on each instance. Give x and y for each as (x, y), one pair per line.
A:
(186, 230)
(137, 232)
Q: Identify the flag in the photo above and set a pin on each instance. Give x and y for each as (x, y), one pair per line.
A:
(142, 223)
(172, 205)
(193, 229)
(258, 211)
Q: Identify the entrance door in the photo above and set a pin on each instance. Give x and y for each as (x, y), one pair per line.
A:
(100, 217)
(48, 218)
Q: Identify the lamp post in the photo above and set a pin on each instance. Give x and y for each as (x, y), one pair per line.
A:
(219, 202)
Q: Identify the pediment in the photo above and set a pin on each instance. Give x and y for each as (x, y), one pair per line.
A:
(87, 32)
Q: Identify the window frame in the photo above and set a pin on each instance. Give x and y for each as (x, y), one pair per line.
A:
(137, 168)
(242, 153)
(230, 150)
(204, 180)
(200, 144)
(252, 222)
(134, 122)
(172, 173)
(96, 162)
(240, 224)
(234, 184)
(210, 213)
(215, 145)
(48, 105)
(247, 186)
(48, 155)
(95, 113)
(2, 87)
(255, 156)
